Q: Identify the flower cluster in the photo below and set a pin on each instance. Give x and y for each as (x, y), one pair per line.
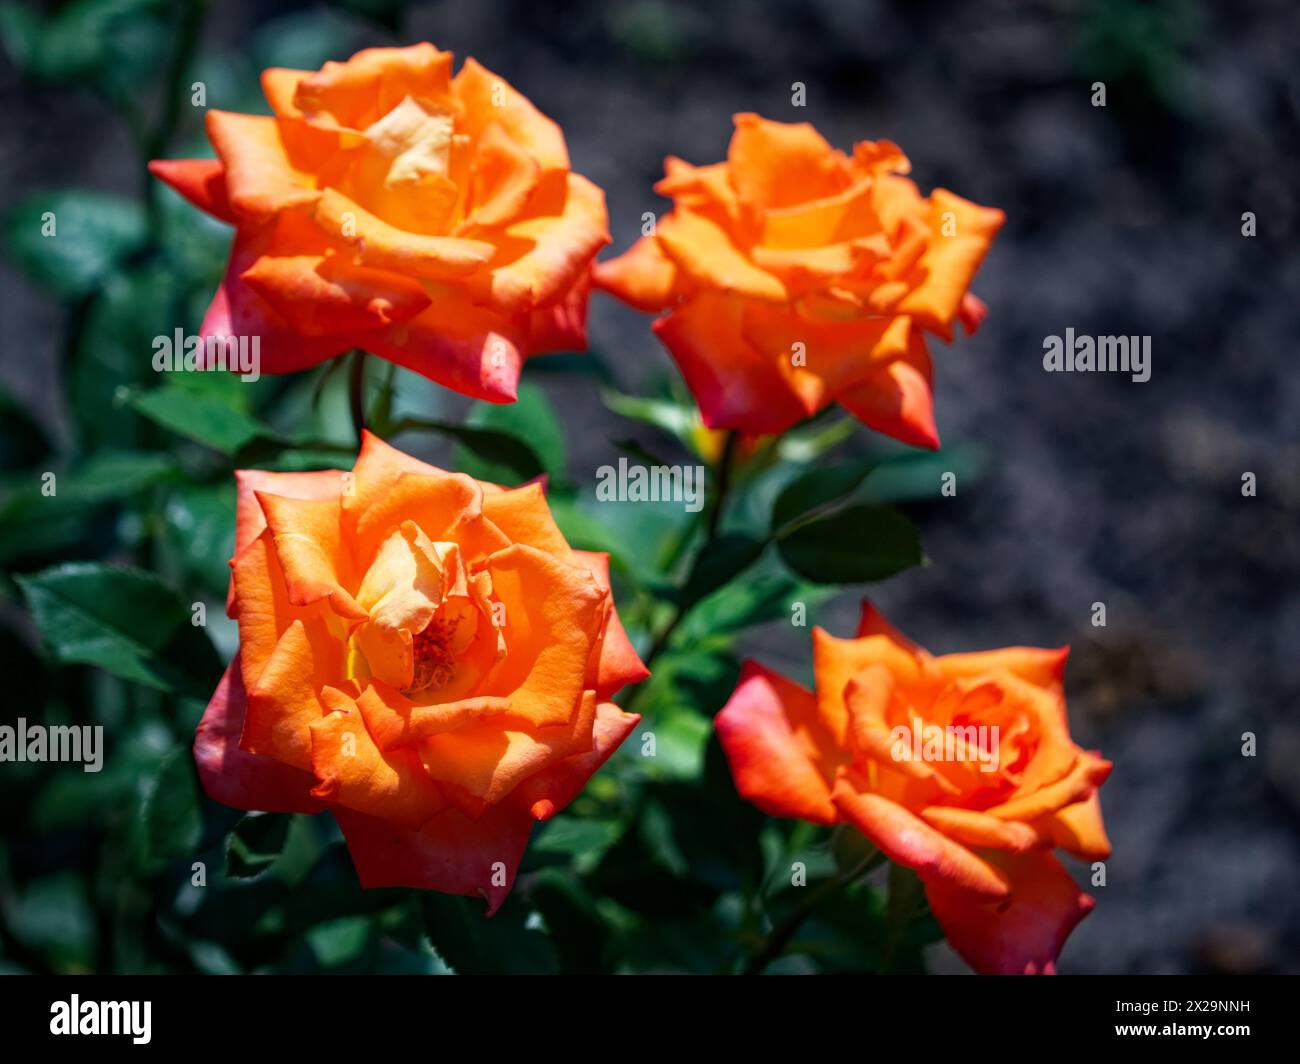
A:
(426, 657)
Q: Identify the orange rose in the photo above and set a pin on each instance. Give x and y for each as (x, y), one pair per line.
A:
(960, 767)
(429, 219)
(421, 654)
(789, 243)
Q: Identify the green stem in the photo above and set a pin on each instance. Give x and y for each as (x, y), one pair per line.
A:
(717, 504)
(723, 485)
(780, 937)
(357, 391)
(155, 144)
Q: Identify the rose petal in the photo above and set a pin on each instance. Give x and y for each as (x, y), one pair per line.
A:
(1021, 935)
(260, 179)
(201, 181)
(385, 247)
(907, 839)
(643, 276)
(353, 771)
(615, 663)
(550, 790)
(450, 853)
(239, 779)
(489, 761)
(779, 753)
(307, 538)
(735, 386)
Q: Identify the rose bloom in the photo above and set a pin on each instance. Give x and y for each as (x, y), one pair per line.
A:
(431, 220)
(978, 822)
(796, 276)
(421, 654)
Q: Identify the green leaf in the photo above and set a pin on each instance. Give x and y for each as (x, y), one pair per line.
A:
(113, 360)
(485, 454)
(200, 525)
(122, 620)
(680, 732)
(336, 942)
(912, 476)
(802, 445)
(573, 918)
(759, 598)
(470, 943)
(818, 488)
(173, 825)
(54, 916)
(201, 416)
(635, 449)
(905, 902)
(676, 419)
(721, 560)
(851, 545)
(530, 420)
(584, 840)
(33, 524)
(255, 844)
(112, 44)
(92, 233)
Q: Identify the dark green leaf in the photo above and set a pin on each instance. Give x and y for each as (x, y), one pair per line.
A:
(33, 524)
(572, 917)
(759, 598)
(916, 476)
(474, 945)
(123, 620)
(851, 545)
(173, 824)
(717, 564)
(905, 902)
(200, 416)
(486, 454)
(584, 840)
(112, 44)
(255, 844)
(200, 525)
(531, 420)
(640, 452)
(54, 916)
(816, 488)
(92, 233)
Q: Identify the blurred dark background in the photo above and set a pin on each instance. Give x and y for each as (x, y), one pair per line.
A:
(1123, 219)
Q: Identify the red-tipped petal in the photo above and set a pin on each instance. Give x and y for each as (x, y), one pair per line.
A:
(774, 744)
(550, 790)
(201, 181)
(239, 779)
(450, 853)
(1023, 934)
